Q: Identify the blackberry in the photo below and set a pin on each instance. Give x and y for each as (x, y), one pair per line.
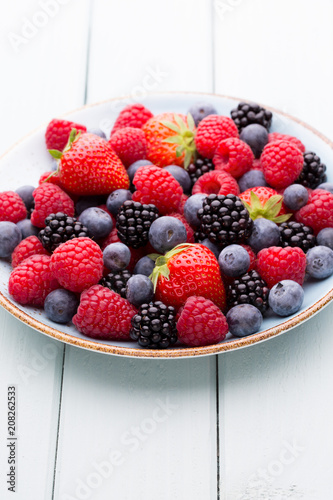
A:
(296, 234)
(249, 288)
(224, 220)
(134, 221)
(313, 172)
(199, 167)
(154, 326)
(117, 281)
(250, 112)
(60, 228)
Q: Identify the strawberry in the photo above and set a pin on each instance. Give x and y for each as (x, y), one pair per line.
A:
(265, 202)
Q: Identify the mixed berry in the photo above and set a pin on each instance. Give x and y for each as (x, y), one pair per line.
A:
(173, 231)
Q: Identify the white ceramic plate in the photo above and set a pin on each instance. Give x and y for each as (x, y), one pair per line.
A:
(26, 161)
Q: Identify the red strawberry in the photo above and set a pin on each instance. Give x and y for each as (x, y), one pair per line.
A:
(282, 162)
(58, 131)
(130, 144)
(134, 115)
(275, 264)
(264, 202)
(211, 131)
(318, 212)
(233, 156)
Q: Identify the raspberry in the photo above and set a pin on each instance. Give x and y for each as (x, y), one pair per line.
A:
(57, 133)
(12, 207)
(53, 179)
(32, 280)
(130, 144)
(49, 199)
(182, 204)
(282, 162)
(157, 187)
(216, 182)
(211, 131)
(189, 230)
(276, 136)
(233, 156)
(77, 264)
(201, 323)
(28, 247)
(103, 314)
(318, 212)
(275, 264)
(252, 256)
(134, 115)
(256, 164)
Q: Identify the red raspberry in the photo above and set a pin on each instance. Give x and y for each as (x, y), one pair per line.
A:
(252, 255)
(50, 199)
(275, 264)
(103, 314)
(201, 323)
(134, 115)
(216, 182)
(182, 204)
(282, 162)
(276, 136)
(136, 253)
(130, 144)
(28, 247)
(318, 212)
(189, 230)
(77, 264)
(12, 208)
(211, 131)
(256, 165)
(157, 186)
(53, 179)
(32, 280)
(57, 133)
(233, 156)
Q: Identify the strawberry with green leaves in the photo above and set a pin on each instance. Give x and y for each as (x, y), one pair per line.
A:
(264, 202)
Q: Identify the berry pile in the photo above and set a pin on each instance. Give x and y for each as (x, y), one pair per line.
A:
(173, 231)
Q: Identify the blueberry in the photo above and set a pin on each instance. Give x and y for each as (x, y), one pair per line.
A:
(286, 297)
(295, 196)
(27, 229)
(181, 176)
(265, 233)
(234, 260)
(328, 186)
(191, 207)
(10, 237)
(85, 202)
(139, 290)
(116, 256)
(256, 136)
(97, 221)
(244, 320)
(61, 305)
(200, 110)
(144, 266)
(251, 179)
(97, 131)
(325, 237)
(209, 244)
(25, 192)
(134, 167)
(319, 262)
(116, 199)
(166, 232)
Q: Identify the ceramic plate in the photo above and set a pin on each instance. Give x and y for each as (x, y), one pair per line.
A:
(26, 161)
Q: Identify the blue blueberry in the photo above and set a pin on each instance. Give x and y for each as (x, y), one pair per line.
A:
(209, 244)
(27, 229)
(295, 196)
(328, 186)
(85, 202)
(25, 192)
(166, 232)
(319, 262)
(97, 131)
(325, 237)
(97, 221)
(181, 176)
(116, 199)
(61, 305)
(256, 136)
(265, 233)
(191, 207)
(251, 179)
(10, 237)
(134, 167)
(234, 260)
(286, 297)
(116, 256)
(200, 110)
(244, 320)
(144, 266)
(139, 290)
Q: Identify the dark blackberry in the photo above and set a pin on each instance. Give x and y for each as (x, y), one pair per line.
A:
(249, 288)
(134, 221)
(250, 112)
(224, 220)
(154, 326)
(117, 281)
(199, 167)
(296, 234)
(313, 172)
(60, 228)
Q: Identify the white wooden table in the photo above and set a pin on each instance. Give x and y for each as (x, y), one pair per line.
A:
(251, 424)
